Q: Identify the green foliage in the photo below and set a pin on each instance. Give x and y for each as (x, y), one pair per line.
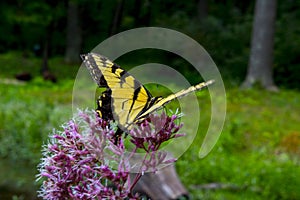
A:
(253, 158)
(28, 114)
(225, 32)
(13, 63)
(30, 22)
(287, 62)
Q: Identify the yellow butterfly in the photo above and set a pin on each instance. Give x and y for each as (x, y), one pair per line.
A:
(125, 99)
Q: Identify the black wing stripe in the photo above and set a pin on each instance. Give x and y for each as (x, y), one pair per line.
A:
(94, 70)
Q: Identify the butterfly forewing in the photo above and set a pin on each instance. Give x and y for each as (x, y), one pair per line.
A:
(128, 96)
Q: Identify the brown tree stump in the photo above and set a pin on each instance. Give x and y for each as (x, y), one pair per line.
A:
(161, 185)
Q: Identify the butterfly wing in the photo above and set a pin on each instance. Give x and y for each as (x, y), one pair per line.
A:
(128, 98)
(162, 101)
(104, 105)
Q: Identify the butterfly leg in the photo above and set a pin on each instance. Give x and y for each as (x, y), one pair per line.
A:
(117, 136)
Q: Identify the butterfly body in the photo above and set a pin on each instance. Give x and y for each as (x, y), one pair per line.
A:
(125, 99)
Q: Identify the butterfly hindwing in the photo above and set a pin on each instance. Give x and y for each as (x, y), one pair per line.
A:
(104, 105)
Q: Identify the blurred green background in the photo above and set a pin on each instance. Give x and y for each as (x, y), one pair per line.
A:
(258, 153)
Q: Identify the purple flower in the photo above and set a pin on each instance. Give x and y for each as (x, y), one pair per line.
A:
(82, 161)
(150, 134)
(74, 165)
(155, 130)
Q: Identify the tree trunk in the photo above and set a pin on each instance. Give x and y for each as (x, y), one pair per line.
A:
(163, 184)
(148, 15)
(45, 66)
(137, 12)
(261, 55)
(73, 42)
(117, 18)
(202, 9)
(47, 42)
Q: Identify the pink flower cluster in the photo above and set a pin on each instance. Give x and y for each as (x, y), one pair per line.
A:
(83, 162)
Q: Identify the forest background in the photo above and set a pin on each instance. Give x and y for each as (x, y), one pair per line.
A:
(257, 156)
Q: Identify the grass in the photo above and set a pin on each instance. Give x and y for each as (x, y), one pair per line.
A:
(256, 157)
(29, 112)
(14, 63)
